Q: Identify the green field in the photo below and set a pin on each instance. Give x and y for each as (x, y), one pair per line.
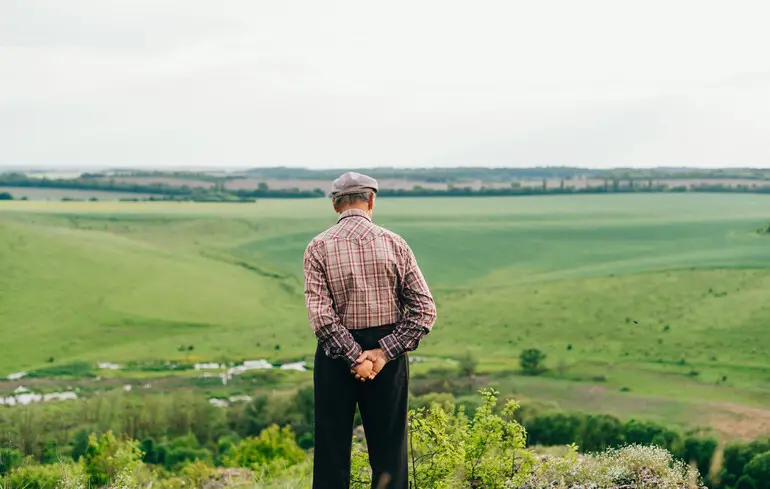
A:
(654, 305)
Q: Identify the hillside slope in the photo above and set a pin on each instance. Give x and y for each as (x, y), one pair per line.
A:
(664, 296)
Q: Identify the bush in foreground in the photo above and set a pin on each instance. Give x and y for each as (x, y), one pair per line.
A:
(449, 449)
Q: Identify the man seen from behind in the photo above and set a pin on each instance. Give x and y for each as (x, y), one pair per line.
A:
(368, 304)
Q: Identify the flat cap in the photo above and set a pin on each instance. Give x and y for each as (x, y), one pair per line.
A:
(353, 183)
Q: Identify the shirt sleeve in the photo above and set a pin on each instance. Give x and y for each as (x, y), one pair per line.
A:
(334, 338)
(419, 311)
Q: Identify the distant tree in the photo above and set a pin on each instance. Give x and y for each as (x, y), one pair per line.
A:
(79, 444)
(5, 196)
(532, 361)
(551, 429)
(649, 433)
(468, 364)
(600, 431)
(759, 470)
(262, 186)
(701, 452)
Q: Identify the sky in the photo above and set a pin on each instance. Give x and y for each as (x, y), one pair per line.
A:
(419, 83)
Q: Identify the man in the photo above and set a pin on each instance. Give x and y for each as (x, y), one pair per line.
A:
(369, 305)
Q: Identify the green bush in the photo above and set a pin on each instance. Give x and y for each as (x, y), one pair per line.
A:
(758, 469)
(108, 458)
(54, 476)
(649, 433)
(76, 370)
(9, 459)
(273, 447)
(532, 361)
(737, 456)
(701, 452)
(449, 449)
(182, 450)
(554, 429)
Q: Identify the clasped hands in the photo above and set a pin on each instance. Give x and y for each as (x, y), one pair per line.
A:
(369, 364)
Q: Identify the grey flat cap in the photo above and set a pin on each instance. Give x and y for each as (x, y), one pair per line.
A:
(353, 183)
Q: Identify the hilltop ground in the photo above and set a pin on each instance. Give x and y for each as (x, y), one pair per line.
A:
(646, 305)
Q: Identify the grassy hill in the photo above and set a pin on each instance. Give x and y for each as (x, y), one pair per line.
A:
(653, 304)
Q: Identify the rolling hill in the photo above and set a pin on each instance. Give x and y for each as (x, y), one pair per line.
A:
(641, 302)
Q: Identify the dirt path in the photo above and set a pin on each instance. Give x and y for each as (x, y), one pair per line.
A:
(734, 421)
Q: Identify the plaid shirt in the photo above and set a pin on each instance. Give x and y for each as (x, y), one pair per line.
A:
(359, 275)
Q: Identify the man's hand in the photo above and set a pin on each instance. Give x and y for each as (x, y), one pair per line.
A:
(363, 370)
(378, 359)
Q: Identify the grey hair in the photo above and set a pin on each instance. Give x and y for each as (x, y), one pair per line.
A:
(347, 199)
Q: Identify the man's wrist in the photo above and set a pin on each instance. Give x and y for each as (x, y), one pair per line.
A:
(391, 347)
(352, 356)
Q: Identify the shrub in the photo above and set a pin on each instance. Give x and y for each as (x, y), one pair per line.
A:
(273, 447)
(9, 459)
(468, 364)
(648, 433)
(181, 450)
(758, 469)
(532, 361)
(737, 456)
(599, 432)
(631, 466)
(107, 458)
(197, 472)
(554, 428)
(60, 476)
(76, 370)
(700, 451)
(450, 449)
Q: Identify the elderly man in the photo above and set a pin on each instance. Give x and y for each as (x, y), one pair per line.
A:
(368, 304)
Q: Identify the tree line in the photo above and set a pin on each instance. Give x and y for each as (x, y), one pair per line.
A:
(457, 174)
(157, 191)
(218, 193)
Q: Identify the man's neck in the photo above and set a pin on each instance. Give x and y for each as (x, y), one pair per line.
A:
(363, 209)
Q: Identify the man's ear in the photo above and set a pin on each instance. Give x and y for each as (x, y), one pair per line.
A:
(334, 206)
(371, 201)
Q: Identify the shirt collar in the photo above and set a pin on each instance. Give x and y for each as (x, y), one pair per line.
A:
(354, 213)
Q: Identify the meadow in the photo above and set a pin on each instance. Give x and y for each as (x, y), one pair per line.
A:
(648, 305)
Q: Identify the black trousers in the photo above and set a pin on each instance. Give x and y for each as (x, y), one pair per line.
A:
(383, 406)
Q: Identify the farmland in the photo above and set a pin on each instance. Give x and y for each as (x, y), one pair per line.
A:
(645, 305)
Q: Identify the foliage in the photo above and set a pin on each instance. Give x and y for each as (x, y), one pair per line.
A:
(6, 196)
(197, 472)
(531, 361)
(631, 466)
(78, 369)
(758, 469)
(9, 459)
(554, 429)
(701, 452)
(449, 449)
(468, 364)
(107, 458)
(648, 433)
(735, 458)
(60, 476)
(273, 447)
(182, 450)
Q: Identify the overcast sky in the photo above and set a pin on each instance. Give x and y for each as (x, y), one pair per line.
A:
(319, 83)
